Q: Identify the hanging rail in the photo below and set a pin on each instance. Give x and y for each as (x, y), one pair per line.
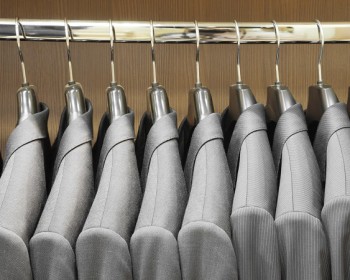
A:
(175, 32)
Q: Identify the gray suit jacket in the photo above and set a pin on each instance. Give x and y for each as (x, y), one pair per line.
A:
(103, 246)
(332, 149)
(253, 175)
(302, 240)
(52, 246)
(22, 194)
(154, 248)
(205, 244)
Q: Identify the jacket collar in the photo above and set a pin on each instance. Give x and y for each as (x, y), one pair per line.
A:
(76, 133)
(32, 128)
(291, 122)
(333, 119)
(207, 129)
(162, 130)
(250, 121)
(120, 130)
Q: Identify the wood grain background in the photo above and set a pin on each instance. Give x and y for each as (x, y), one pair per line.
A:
(47, 66)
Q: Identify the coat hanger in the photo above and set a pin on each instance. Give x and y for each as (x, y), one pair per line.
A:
(75, 100)
(158, 103)
(200, 103)
(241, 96)
(321, 96)
(279, 97)
(115, 93)
(26, 94)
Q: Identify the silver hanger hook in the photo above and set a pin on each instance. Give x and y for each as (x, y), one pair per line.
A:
(67, 33)
(278, 41)
(112, 37)
(19, 25)
(239, 79)
(198, 80)
(153, 54)
(321, 36)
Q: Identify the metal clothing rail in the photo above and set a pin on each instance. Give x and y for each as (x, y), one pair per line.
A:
(175, 32)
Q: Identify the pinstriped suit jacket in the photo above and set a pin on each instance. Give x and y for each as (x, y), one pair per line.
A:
(52, 248)
(332, 149)
(254, 179)
(103, 245)
(22, 193)
(302, 240)
(205, 244)
(153, 245)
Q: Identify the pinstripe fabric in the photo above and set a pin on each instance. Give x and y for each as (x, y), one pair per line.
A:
(52, 246)
(302, 241)
(334, 118)
(205, 245)
(332, 147)
(22, 193)
(153, 245)
(103, 246)
(253, 174)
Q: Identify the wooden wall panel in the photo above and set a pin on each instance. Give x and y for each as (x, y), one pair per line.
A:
(47, 67)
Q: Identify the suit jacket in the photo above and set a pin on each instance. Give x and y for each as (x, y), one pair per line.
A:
(154, 247)
(332, 149)
(253, 175)
(205, 244)
(22, 193)
(53, 244)
(302, 240)
(103, 245)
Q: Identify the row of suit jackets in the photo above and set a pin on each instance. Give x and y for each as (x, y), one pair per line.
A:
(221, 201)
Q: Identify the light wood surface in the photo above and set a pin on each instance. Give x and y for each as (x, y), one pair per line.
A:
(47, 65)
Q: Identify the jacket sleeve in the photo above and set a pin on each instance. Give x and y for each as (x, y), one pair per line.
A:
(52, 247)
(154, 247)
(103, 245)
(302, 240)
(254, 234)
(22, 197)
(336, 209)
(205, 244)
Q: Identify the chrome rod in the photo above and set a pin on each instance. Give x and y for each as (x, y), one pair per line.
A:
(175, 32)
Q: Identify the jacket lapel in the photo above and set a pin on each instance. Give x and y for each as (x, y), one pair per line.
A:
(291, 122)
(251, 120)
(208, 129)
(119, 130)
(78, 132)
(30, 129)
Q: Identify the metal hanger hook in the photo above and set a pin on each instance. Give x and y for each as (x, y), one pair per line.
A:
(278, 41)
(18, 26)
(112, 37)
(321, 36)
(153, 53)
(239, 79)
(198, 80)
(68, 33)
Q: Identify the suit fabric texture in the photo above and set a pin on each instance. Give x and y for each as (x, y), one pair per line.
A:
(154, 246)
(22, 193)
(302, 239)
(332, 149)
(205, 245)
(103, 246)
(52, 248)
(253, 175)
